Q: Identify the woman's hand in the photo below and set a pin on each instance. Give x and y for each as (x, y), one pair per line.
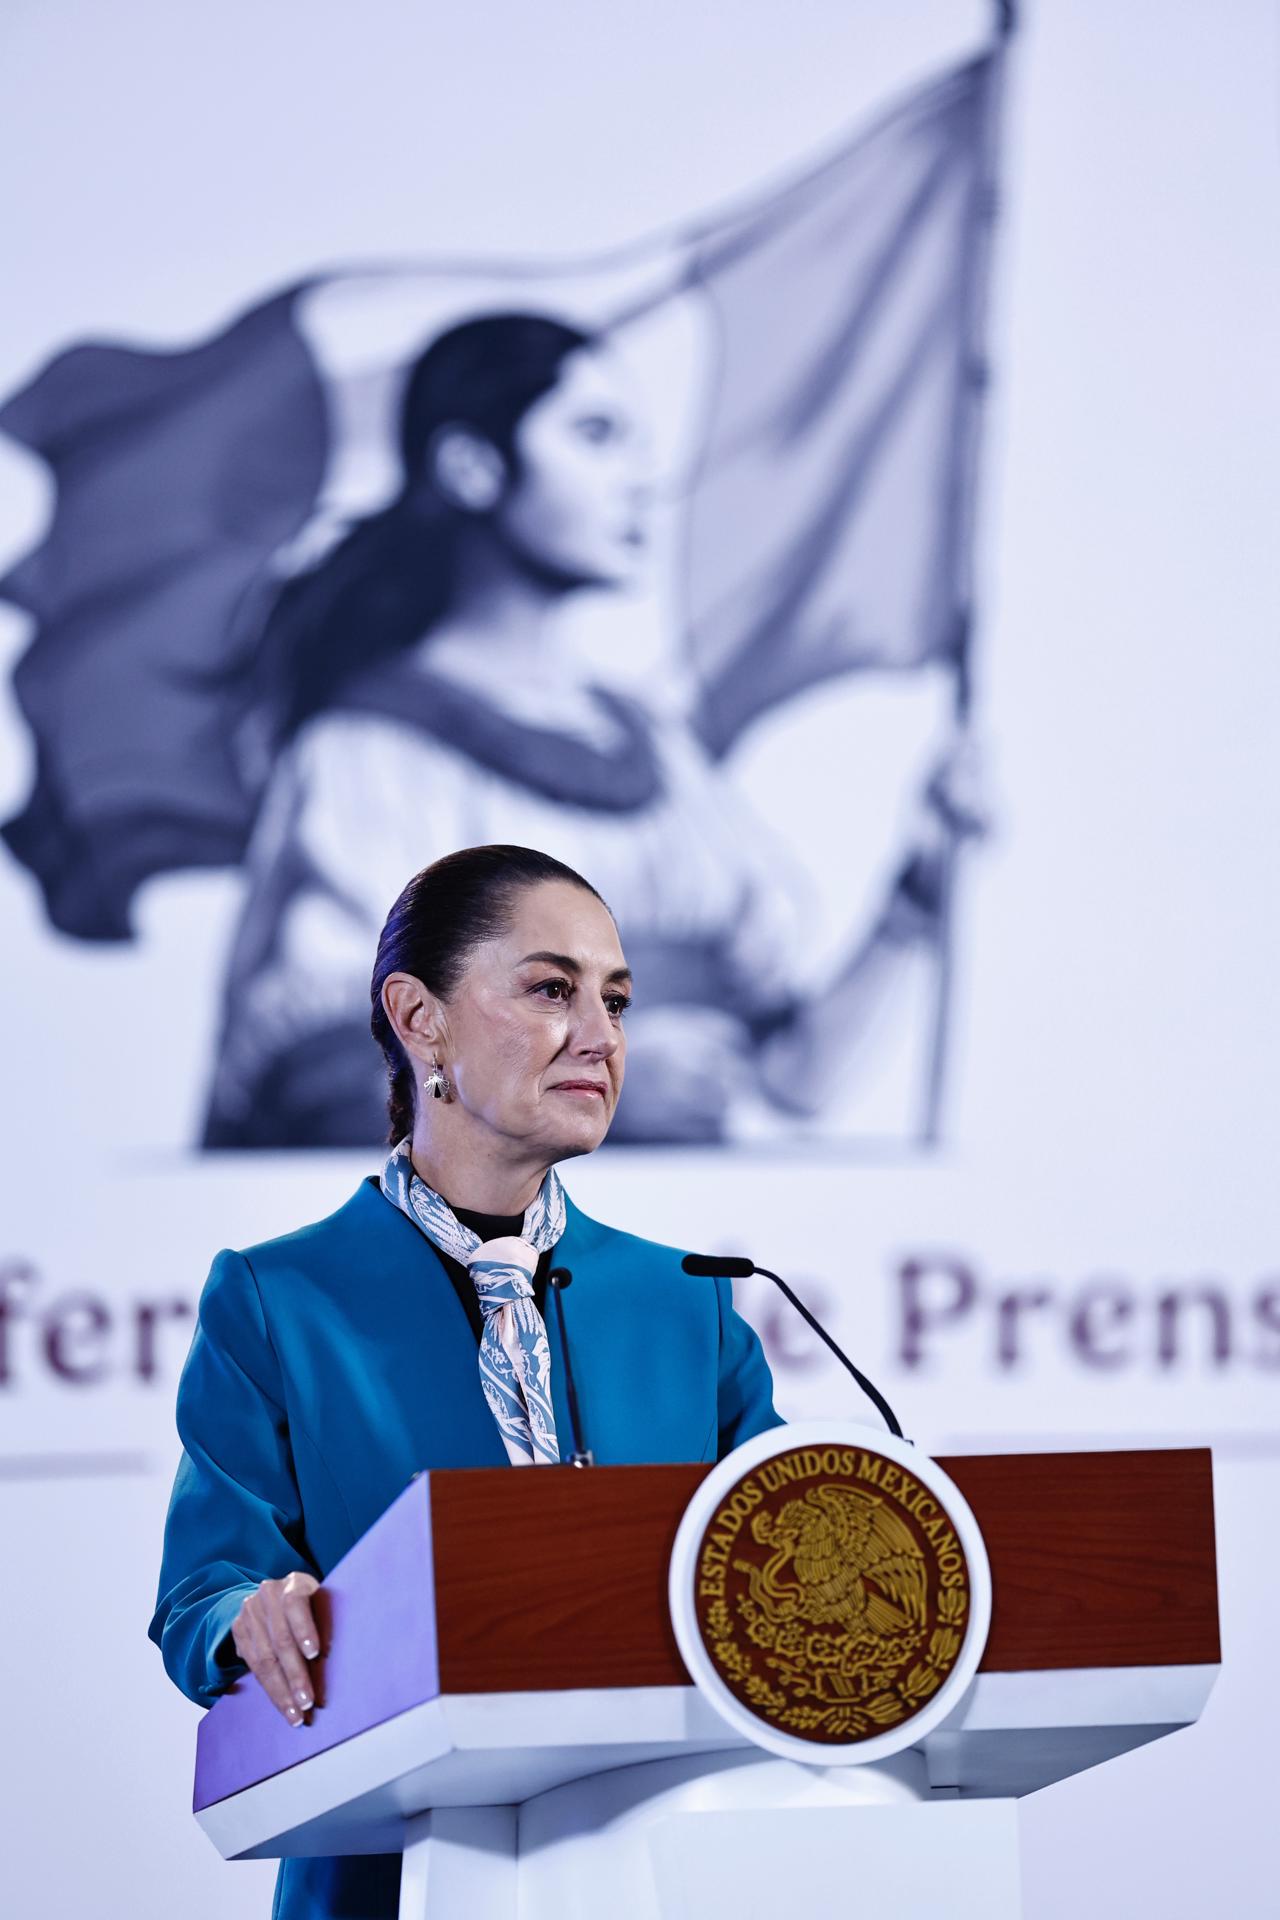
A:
(275, 1635)
(959, 788)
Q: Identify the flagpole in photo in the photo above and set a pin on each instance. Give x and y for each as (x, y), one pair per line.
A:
(964, 511)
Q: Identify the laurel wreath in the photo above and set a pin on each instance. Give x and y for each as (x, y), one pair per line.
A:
(893, 1698)
(725, 1649)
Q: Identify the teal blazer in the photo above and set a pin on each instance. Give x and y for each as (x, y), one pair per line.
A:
(327, 1367)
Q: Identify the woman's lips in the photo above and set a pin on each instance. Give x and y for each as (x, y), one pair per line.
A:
(585, 1087)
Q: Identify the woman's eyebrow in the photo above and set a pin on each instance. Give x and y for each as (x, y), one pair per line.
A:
(570, 965)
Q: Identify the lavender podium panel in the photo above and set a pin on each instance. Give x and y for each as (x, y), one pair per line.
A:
(390, 1665)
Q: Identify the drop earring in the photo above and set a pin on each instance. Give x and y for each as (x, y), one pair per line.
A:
(436, 1082)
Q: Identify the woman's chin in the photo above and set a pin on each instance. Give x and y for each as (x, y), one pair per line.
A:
(582, 1133)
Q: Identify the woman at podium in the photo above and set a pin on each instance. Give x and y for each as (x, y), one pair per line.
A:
(410, 1328)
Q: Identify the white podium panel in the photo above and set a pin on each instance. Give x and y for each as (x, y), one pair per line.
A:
(739, 1833)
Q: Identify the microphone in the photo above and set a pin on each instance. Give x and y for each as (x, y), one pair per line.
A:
(733, 1266)
(557, 1280)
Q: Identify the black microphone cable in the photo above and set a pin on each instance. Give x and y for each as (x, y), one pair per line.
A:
(557, 1280)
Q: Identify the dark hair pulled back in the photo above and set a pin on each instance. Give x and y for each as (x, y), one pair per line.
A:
(441, 916)
(391, 578)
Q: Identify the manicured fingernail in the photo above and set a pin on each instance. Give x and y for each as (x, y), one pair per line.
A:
(309, 1647)
(303, 1698)
(295, 1718)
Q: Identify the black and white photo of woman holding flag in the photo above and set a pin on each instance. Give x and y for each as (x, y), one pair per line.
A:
(565, 556)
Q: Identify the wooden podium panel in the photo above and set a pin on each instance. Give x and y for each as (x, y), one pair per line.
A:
(1097, 1560)
(591, 1604)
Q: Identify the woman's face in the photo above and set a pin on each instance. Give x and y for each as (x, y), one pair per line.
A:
(579, 508)
(535, 1044)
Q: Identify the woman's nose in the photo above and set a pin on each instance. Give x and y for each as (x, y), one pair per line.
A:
(595, 1033)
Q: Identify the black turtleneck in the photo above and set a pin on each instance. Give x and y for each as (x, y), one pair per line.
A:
(491, 1226)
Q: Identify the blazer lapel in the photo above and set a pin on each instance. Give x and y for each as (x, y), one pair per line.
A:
(594, 1317)
(435, 1346)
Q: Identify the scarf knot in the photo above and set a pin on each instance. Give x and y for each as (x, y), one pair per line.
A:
(515, 1358)
(503, 1271)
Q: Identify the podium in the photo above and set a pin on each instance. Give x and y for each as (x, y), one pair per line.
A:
(502, 1698)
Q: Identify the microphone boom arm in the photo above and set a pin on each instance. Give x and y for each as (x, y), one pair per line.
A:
(872, 1392)
(733, 1266)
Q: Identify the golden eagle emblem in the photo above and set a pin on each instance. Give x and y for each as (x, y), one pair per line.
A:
(839, 1556)
(833, 1609)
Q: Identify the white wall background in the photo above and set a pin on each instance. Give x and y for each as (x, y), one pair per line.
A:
(1113, 1119)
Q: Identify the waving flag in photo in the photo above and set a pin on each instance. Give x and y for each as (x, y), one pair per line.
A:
(831, 428)
(178, 476)
(828, 527)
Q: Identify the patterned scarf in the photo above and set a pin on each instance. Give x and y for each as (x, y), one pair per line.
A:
(515, 1360)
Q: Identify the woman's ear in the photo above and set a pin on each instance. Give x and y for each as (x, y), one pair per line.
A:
(416, 1016)
(466, 469)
